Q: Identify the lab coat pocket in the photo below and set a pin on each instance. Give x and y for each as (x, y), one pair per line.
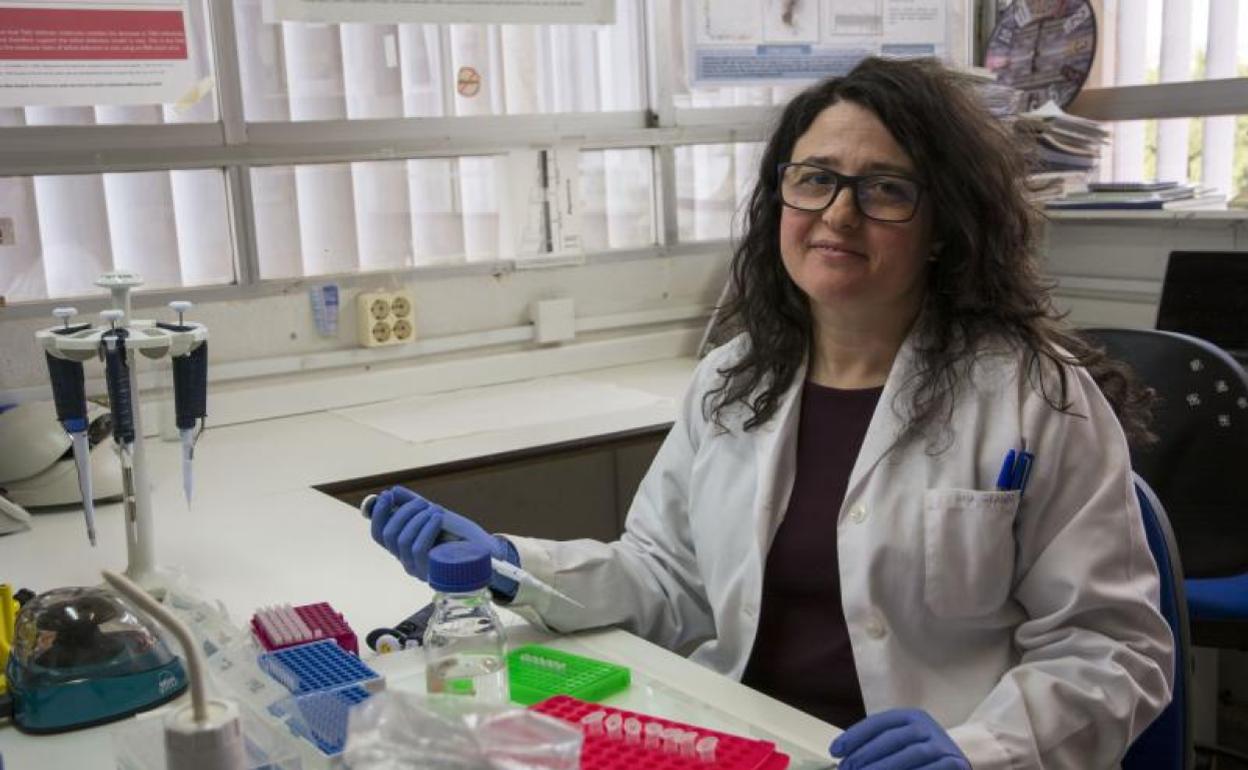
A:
(968, 538)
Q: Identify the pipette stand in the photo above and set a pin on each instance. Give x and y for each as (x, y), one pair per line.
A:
(153, 342)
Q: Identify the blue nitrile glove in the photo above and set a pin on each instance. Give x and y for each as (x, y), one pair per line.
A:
(900, 739)
(407, 525)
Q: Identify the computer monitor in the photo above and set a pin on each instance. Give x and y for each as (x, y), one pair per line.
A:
(1205, 294)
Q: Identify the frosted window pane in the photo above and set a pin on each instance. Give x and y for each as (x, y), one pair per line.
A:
(171, 227)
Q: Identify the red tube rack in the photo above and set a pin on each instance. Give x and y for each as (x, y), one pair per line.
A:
(601, 752)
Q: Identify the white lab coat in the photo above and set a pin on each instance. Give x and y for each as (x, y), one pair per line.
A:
(1029, 629)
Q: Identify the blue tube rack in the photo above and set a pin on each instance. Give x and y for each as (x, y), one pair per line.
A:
(325, 681)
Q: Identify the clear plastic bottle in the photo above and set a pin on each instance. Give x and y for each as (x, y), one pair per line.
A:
(465, 648)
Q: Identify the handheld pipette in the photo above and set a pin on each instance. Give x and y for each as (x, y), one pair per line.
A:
(117, 378)
(69, 394)
(190, 394)
(504, 568)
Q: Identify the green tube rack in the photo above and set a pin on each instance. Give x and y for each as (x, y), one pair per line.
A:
(536, 673)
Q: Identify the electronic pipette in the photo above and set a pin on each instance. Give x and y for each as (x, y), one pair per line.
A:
(69, 394)
(504, 568)
(190, 392)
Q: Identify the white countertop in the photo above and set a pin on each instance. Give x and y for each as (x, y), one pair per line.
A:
(259, 534)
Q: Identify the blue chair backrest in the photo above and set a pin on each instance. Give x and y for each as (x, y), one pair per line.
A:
(1167, 743)
(1197, 465)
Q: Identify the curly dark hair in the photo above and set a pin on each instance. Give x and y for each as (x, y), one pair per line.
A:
(985, 285)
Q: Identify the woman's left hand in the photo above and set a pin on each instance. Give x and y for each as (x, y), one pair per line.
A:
(900, 739)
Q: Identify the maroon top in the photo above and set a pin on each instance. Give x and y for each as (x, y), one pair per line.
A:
(802, 654)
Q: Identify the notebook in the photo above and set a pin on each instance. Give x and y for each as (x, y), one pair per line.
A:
(1205, 294)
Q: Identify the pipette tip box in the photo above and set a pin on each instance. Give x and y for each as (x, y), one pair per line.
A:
(315, 666)
(603, 751)
(536, 673)
(275, 628)
(325, 681)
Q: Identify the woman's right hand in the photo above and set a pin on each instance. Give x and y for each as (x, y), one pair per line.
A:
(408, 526)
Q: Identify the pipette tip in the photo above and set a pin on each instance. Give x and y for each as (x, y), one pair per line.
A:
(521, 575)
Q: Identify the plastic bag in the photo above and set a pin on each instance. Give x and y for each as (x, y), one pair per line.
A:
(407, 731)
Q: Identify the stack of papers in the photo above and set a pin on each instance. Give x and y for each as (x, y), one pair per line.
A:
(1142, 195)
(1002, 100)
(1064, 142)
(1052, 185)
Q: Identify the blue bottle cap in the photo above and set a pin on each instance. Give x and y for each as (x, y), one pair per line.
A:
(459, 567)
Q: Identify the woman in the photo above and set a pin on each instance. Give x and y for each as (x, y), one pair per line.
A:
(840, 516)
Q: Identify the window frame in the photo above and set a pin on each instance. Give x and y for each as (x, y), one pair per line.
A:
(236, 146)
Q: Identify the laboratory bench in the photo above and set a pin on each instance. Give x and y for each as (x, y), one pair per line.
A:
(274, 519)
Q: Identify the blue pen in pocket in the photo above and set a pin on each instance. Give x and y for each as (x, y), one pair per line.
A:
(1015, 470)
(1006, 476)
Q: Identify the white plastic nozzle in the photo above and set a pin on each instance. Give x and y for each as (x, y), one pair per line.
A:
(65, 313)
(180, 306)
(522, 576)
(112, 316)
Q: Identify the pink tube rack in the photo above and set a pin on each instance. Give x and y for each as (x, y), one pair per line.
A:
(277, 628)
(600, 752)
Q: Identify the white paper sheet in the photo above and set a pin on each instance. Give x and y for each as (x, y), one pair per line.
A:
(462, 11)
(792, 41)
(94, 52)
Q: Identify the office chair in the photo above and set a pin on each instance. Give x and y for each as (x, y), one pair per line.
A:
(1166, 744)
(1197, 469)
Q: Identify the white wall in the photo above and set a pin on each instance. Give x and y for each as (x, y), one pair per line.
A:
(282, 326)
(1109, 272)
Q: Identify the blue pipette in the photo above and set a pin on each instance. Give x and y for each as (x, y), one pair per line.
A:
(117, 379)
(504, 568)
(190, 394)
(69, 395)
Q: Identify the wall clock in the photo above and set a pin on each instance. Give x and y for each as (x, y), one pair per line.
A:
(1044, 48)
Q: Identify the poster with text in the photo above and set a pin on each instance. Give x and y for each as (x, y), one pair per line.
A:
(449, 11)
(773, 42)
(89, 52)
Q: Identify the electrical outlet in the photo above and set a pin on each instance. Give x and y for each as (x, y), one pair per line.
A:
(385, 318)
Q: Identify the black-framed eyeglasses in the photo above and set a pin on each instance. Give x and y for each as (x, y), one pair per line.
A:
(882, 197)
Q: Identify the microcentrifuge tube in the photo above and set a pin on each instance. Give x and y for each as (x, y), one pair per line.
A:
(671, 740)
(593, 722)
(654, 735)
(705, 747)
(632, 731)
(685, 742)
(614, 723)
